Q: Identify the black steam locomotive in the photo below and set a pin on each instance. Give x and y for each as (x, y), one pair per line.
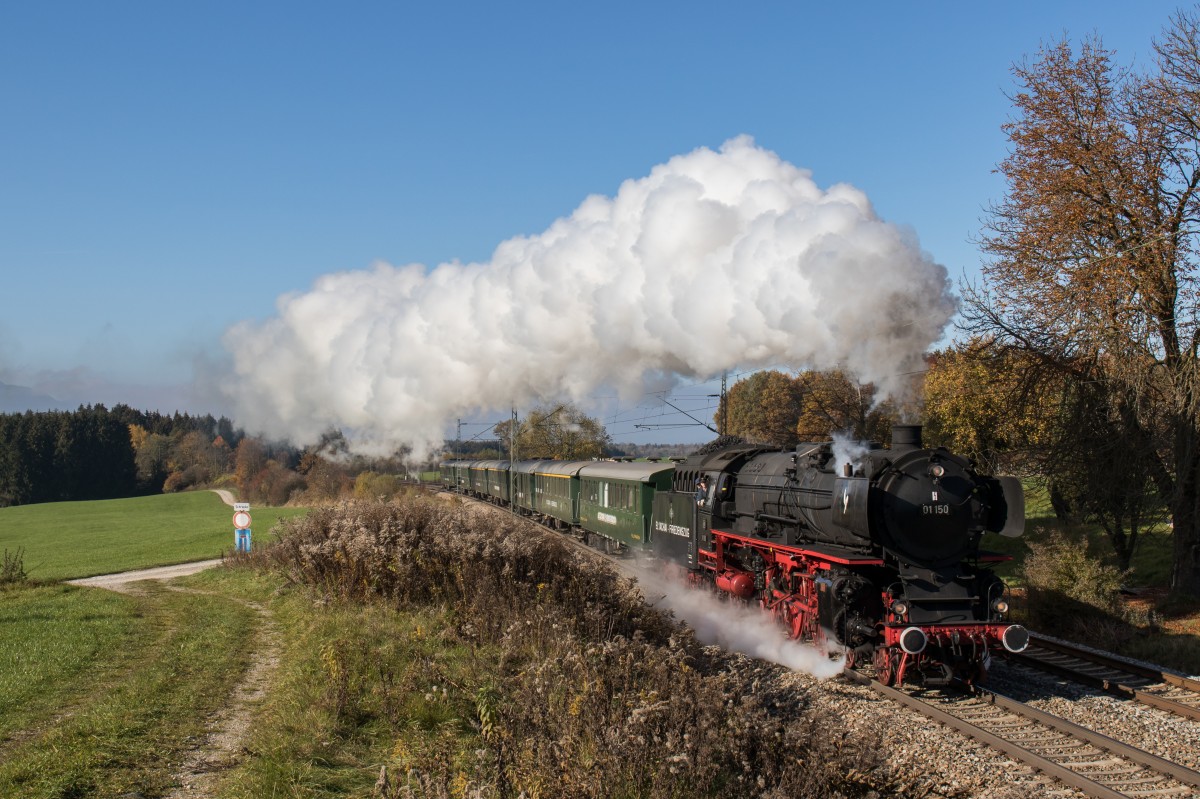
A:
(880, 558)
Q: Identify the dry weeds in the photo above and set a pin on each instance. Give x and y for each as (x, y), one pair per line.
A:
(581, 690)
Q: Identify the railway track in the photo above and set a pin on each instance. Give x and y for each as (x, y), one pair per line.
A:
(1094, 764)
(1087, 761)
(1162, 690)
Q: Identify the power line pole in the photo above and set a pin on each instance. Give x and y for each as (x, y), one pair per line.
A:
(724, 405)
(512, 460)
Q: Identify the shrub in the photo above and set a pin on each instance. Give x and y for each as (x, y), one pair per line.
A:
(1070, 592)
(12, 570)
(371, 485)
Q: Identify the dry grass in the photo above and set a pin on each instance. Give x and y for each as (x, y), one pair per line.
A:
(560, 682)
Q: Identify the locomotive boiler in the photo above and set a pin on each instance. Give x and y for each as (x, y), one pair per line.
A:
(879, 558)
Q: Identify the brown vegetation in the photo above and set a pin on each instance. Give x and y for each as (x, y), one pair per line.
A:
(776, 408)
(576, 687)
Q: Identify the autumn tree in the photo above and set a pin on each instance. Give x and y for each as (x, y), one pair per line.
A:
(763, 408)
(1092, 252)
(834, 403)
(324, 478)
(561, 432)
(250, 465)
(980, 403)
(152, 455)
(997, 407)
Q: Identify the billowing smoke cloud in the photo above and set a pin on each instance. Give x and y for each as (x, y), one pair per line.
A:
(715, 261)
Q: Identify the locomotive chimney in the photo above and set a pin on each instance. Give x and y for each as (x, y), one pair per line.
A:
(906, 437)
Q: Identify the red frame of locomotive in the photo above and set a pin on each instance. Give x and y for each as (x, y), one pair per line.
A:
(798, 610)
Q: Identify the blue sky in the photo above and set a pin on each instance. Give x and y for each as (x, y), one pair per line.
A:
(170, 169)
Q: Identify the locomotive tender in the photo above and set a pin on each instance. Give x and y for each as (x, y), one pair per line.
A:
(879, 559)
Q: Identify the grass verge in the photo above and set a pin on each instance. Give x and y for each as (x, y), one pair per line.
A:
(471, 655)
(57, 640)
(139, 677)
(358, 686)
(64, 540)
(1068, 586)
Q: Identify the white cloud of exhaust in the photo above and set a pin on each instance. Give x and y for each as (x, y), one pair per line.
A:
(736, 626)
(715, 261)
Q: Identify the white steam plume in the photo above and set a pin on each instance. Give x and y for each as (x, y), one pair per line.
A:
(847, 449)
(714, 261)
(735, 626)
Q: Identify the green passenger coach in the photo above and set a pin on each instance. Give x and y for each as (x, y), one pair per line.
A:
(557, 487)
(616, 499)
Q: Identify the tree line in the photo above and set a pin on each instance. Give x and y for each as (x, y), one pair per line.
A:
(784, 409)
(99, 453)
(94, 452)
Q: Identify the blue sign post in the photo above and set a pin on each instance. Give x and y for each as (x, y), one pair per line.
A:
(241, 527)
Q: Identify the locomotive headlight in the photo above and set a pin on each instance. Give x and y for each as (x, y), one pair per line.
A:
(899, 608)
(937, 470)
(913, 640)
(1000, 606)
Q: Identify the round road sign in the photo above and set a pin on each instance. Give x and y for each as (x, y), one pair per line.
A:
(241, 520)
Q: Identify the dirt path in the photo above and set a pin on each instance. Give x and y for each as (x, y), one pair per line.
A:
(224, 741)
(225, 496)
(122, 582)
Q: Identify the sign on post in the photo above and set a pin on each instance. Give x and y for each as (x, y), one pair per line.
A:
(241, 526)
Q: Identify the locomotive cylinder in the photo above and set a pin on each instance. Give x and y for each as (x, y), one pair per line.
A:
(738, 583)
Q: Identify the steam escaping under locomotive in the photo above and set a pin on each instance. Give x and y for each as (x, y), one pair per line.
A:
(879, 559)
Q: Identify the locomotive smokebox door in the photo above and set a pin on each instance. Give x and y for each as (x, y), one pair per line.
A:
(850, 504)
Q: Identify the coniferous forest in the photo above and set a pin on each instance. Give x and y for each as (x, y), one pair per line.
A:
(96, 453)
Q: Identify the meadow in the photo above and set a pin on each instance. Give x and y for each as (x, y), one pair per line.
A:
(65, 540)
(462, 652)
(102, 693)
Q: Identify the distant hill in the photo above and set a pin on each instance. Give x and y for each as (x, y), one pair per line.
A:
(18, 399)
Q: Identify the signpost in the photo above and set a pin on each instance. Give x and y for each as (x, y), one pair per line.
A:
(241, 526)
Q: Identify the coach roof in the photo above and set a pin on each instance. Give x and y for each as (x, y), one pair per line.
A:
(642, 471)
(561, 468)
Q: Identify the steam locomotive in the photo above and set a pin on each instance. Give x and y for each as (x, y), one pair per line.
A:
(879, 559)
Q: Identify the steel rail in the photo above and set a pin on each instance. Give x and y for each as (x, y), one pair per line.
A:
(1113, 687)
(1055, 770)
(1139, 756)
(1048, 767)
(1117, 664)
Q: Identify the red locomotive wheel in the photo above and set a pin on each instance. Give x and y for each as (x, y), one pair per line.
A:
(885, 665)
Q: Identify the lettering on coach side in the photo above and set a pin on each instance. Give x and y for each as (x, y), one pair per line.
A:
(672, 529)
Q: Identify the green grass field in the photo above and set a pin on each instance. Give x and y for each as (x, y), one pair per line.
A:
(101, 693)
(63, 540)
